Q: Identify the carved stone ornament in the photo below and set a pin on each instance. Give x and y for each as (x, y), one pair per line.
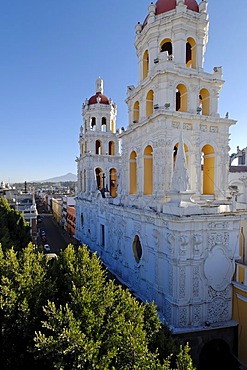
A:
(203, 128)
(218, 269)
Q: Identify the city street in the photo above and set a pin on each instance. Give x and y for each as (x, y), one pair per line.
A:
(56, 237)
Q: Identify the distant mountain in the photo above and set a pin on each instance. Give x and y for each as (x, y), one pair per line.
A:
(68, 177)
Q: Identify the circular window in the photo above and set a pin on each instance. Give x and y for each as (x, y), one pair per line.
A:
(137, 248)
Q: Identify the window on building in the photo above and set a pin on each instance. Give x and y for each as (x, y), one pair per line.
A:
(136, 114)
(181, 98)
(98, 147)
(85, 180)
(113, 182)
(145, 64)
(99, 178)
(103, 124)
(137, 248)
(149, 103)
(102, 235)
(111, 149)
(204, 102)
(166, 45)
(93, 123)
(132, 173)
(191, 53)
(148, 170)
(208, 169)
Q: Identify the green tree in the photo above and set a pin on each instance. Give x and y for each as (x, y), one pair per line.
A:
(14, 230)
(101, 326)
(25, 288)
(66, 314)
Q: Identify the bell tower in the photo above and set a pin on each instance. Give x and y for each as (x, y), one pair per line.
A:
(98, 142)
(175, 94)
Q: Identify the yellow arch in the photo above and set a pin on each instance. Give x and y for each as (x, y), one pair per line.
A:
(148, 170)
(136, 115)
(149, 103)
(191, 53)
(181, 98)
(208, 169)
(145, 64)
(204, 101)
(133, 173)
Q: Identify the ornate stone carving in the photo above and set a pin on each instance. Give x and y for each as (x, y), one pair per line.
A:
(187, 126)
(184, 240)
(182, 280)
(214, 129)
(218, 311)
(218, 269)
(175, 124)
(183, 317)
(197, 243)
(203, 128)
(196, 316)
(218, 225)
(195, 282)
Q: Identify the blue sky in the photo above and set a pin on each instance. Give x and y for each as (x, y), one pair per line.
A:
(51, 53)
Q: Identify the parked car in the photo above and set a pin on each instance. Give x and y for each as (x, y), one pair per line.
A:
(42, 233)
(39, 218)
(47, 248)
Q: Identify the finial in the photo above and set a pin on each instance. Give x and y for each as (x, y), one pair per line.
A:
(180, 178)
(99, 85)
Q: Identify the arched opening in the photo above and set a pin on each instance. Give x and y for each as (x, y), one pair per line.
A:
(191, 53)
(99, 178)
(103, 124)
(111, 149)
(145, 64)
(204, 101)
(112, 126)
(148, 170)
(136, 114)
(149, 103)
(80, 181)
(181, 98)
(113, 182)
(133, 173)
(98, 147)
(82, 148)
(215, 355)
(137, 248)
(85, 180)
(166, 45)
(242, 246)
(93, 123)
(175, 151)
(208, 169)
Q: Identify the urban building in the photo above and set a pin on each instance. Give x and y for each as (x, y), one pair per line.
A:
(153, 199)
(24, 202)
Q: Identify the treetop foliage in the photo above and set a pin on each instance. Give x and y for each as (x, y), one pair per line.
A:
(66, 314)
(14, 230)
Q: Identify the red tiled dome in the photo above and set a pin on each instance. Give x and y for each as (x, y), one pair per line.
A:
(94, 99)
(163, 6)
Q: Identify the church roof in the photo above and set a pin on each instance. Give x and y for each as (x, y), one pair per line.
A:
(163, 6)
(98, 98)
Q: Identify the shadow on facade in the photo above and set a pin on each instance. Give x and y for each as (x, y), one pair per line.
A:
(216, 355)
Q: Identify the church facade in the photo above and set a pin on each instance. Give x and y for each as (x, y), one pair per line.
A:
(153, 198)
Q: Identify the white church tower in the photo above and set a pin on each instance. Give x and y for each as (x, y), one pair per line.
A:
(99, 146)
(162, 220)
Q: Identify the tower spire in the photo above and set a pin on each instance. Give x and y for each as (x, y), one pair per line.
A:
(180, 178)
(99, 85)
